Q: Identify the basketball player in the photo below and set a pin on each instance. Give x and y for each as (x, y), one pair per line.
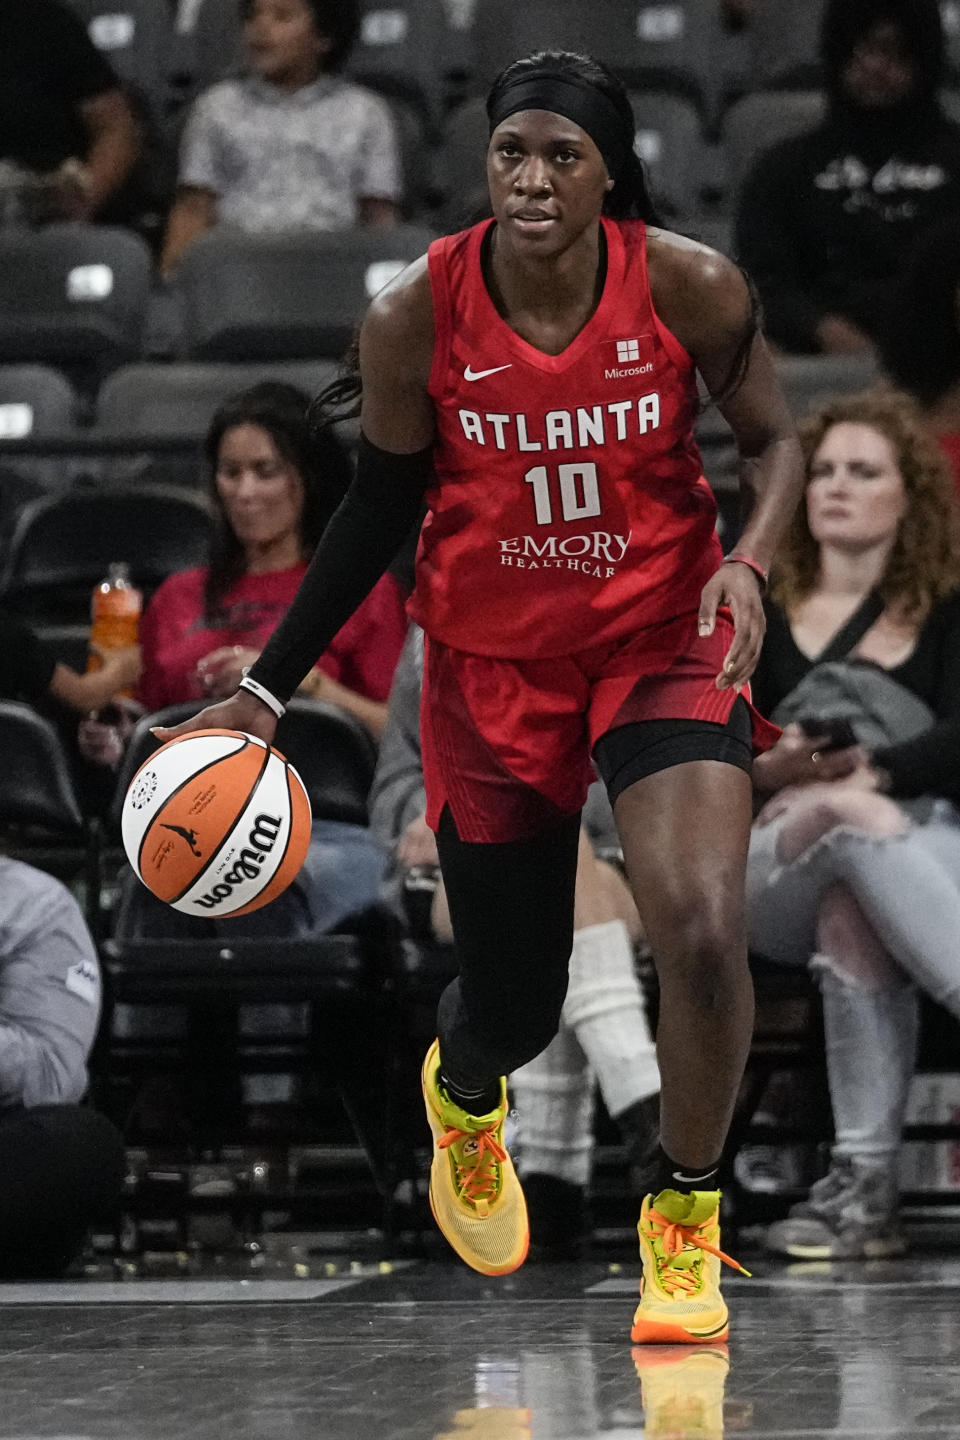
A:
(534, 378)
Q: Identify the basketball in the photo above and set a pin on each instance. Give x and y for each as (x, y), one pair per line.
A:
(216, 823)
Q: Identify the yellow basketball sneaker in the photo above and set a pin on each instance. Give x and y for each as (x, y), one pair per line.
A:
(475, 1195)
(680, 1300)
(682, 1390)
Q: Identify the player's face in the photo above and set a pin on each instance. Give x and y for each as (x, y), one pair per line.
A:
(283, 42)
(261, 492)
(880, 72)
(856, 497)
(547, 180)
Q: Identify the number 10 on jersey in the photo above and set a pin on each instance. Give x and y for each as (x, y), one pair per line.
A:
(579, 492)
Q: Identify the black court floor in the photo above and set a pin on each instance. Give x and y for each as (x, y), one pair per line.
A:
(320, 1350)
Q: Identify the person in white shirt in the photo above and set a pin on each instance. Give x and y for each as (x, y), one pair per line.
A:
(290, 145)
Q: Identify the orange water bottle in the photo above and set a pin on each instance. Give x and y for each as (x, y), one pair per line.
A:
(115, 608)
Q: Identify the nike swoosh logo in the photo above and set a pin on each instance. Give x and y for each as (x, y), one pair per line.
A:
(469, 374)
(689, 1179)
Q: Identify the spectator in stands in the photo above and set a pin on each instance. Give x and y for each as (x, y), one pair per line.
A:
(275, 486)
(68, 137)
(61, 1163)
(30, 671)
(292, 145)
(826, 219)
(921, 351)
(604, 1035)
(854, 862)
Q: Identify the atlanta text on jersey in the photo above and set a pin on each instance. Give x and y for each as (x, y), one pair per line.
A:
(619, 420)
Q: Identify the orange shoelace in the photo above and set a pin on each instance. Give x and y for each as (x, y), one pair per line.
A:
(675, 1237)
(478, 1182)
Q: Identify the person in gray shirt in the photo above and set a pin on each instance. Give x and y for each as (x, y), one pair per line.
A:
(604, 1038)
(61, 1164)
(291, 144)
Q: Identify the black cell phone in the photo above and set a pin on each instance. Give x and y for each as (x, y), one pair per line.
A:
(839, 732)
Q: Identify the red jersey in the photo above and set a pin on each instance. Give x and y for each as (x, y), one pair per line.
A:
(569, 506)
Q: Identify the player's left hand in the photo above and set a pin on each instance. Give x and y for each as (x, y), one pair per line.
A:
(737, 587)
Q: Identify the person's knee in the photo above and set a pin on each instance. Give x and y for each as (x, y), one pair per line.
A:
(707, 947)
(844, 809)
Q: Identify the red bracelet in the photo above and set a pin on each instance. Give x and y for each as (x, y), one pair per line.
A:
(751, 564)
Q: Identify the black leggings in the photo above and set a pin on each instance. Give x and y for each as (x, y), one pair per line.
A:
(511, 906)
(61, 1169)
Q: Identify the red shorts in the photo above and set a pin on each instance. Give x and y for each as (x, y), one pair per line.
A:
(507, 743)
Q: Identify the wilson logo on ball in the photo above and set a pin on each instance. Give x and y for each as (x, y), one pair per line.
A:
(216, 823)
(248, 863)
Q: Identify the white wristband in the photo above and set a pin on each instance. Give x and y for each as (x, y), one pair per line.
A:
(262, 694)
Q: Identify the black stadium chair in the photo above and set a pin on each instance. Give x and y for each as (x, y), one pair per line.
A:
(333, 753)
(286, 296)
(159, 957)
(136, 37)
(759, 121)
(40, 818)
(64, 543)
(73, 296)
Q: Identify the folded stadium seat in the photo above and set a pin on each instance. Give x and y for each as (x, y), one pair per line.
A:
(64, 543)
(461, 165)
(784, 42)
(405, 49)
(159, 957)
(136, 36)
(950, 100)
(810, 380)
(756, 122)
(176, 402)
(676, 44)
(73, 296)
(286, 296)
(40, 818)
(36, 403)
(950, 15)
(669, 140)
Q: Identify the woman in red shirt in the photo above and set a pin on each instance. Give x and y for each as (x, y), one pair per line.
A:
(275, 487)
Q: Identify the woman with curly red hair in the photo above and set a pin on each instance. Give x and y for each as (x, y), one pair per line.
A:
(855, 857)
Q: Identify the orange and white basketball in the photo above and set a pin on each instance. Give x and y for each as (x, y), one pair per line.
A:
(216, 823)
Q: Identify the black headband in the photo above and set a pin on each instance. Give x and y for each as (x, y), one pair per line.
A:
(567, 95)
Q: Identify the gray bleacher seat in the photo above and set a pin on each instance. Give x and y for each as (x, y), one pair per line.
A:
(461, 163)
(179, 399)
(950, 100)
(136, 36)
(756, 122)
(287, 296)
(669, 140)
(810, 380)
(950, 15)
(784, 41)
(215, 47)
(35, 402)
(669, 41)
(73, 296)
(405, 49)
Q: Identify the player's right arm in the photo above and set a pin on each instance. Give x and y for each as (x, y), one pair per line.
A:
(382, 504)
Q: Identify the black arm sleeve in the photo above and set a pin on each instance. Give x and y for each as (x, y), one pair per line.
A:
(366, 531)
